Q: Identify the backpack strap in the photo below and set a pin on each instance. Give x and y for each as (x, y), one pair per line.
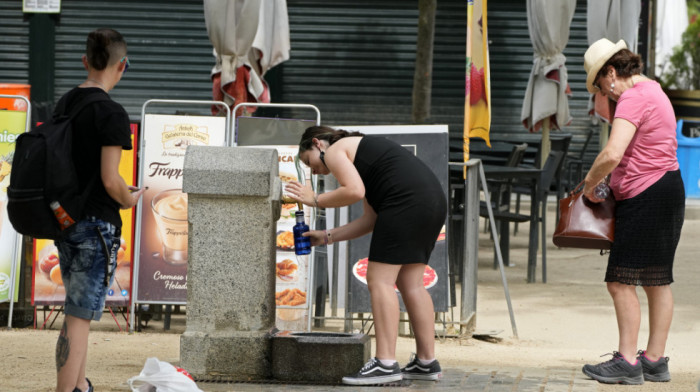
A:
(77, 108)
(82, 104)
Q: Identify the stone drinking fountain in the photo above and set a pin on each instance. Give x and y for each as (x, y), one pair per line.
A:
(234, 198)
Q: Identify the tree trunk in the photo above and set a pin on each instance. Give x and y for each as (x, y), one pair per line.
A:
(422, 78)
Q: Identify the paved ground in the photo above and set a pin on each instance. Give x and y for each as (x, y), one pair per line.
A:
(471, 379)
(562, 324)
(497, 378)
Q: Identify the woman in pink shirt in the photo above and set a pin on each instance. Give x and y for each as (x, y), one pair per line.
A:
(640, 158)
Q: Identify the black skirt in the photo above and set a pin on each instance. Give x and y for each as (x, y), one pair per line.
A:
(647, 230)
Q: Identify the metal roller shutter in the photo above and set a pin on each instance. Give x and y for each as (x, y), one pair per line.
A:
(169, 50)
(352, 59)
(511, 62)
(355, 61)
(14, 41)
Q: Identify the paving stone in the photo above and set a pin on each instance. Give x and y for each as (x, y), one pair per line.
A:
(469, 379)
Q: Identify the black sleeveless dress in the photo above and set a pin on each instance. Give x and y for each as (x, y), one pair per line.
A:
(409, 201)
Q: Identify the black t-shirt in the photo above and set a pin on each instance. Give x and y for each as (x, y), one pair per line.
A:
(103, 123)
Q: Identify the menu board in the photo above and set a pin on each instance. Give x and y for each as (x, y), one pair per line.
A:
(47, 285)
(12, 124)
(162, 226)
(292, 271)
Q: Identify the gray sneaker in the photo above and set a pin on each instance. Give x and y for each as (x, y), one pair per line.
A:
(374, 373)
(616, 371)
(654, 370)
(415, 371)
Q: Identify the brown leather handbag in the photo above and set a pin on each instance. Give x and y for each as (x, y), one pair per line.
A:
(584, 224)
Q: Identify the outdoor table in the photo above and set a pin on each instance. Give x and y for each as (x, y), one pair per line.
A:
(496, 172)
(497, 154)
(534, 142)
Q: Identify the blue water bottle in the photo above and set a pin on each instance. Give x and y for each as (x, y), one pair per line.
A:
(302, 245)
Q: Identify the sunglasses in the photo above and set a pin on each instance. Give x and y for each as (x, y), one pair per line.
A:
(127, 62)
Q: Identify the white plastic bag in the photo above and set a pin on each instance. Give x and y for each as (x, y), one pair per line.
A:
(159, 376)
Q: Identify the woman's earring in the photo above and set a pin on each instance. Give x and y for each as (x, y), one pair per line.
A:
(612, 86)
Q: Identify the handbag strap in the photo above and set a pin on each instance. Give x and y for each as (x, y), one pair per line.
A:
(578, 188)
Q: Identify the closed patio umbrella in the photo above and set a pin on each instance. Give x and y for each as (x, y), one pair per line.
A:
(546, 98)
(249, 38)
(614, 20)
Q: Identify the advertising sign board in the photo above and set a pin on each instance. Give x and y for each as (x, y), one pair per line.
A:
(162, 227)
(12, 124)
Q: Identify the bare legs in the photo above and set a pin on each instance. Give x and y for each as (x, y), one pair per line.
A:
(385, 307)
(660, 315)
(628, 315)
(628, 312)
(420, 309)
(71, 354)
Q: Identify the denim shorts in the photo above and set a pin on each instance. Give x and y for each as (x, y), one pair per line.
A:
(86, 269)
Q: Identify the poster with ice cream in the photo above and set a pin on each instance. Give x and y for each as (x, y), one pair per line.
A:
(12, 124)
(47, 285)
(161, 246)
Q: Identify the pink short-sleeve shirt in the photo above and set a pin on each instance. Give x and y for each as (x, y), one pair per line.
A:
(652, 150)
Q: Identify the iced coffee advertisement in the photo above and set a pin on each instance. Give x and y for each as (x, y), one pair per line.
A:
(162, 236)
(47, 285)
(292, 270)
(12, 124)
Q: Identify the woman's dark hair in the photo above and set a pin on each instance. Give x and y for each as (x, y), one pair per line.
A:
(625, 62)
(321, 132)
(104, 47)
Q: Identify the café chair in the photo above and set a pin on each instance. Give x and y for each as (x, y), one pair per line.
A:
(456, 209)
(558, 142)
(500, 190)
(574, 163)
(546, 180)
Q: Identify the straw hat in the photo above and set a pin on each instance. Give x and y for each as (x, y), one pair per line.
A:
(596, 55)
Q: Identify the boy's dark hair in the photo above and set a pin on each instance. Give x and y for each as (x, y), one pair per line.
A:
(104, 47)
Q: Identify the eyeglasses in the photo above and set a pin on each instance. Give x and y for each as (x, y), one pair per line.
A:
(127, 62)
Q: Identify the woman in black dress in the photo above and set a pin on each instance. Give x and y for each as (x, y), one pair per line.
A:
(404, 209)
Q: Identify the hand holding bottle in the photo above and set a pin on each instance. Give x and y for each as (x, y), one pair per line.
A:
(598, 193)
(601, 191)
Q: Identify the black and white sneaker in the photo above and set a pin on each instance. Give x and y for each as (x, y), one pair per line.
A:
(90, 389)
(414, 370)
(616, 371)
(374, 373)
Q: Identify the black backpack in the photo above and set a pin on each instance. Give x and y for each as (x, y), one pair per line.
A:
(43, 173)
